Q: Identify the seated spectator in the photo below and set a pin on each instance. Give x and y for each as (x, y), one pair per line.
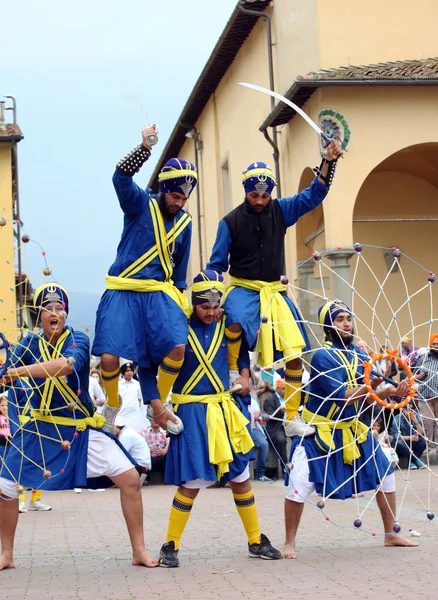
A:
(96, 390)
(260, 442)
(381, 435)
(135, 444)
(408, 436)
(158, 445)
(274, 411)
(427, 390)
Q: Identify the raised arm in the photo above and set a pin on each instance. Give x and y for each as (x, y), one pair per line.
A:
(296, 206)
(131, 196)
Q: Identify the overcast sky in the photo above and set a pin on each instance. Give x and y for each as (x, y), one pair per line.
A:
(67, 64)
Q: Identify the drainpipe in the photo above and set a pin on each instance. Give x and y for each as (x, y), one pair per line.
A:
(16, 199)
(273, 141)
(193, 134)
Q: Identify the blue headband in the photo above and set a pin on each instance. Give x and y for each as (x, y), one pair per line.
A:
(50, 293)
(178, 175)
(328, 312)
(258, 177)
(207, 288)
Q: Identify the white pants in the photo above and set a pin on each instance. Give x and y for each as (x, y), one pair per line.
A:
(104, 458)
(198, 484)
(300, 488)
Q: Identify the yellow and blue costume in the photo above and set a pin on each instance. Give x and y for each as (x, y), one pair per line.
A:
(344, 458)
(57, 410)
(144, 281)
(215, 444)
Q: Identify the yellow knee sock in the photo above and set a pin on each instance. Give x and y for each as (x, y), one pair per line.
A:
(167, 374)
(36, 495)
(111, 383)
(179, 515)
(22, 497)
(292, 394)
(247, 509)
(234, 341)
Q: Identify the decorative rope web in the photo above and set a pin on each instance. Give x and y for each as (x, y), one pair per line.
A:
(388, 304)
(19, 393)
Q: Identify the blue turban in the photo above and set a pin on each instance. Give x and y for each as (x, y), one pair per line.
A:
(178, 175)
(258, 177)
(328, 312)
(208, 287)
(50, 293)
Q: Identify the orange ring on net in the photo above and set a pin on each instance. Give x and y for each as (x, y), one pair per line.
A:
(367, 380)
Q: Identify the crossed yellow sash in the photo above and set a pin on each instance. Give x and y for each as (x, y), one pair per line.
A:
(351, 428)
(285, 334)
(126, 282)
(222, 412)
(45, 412)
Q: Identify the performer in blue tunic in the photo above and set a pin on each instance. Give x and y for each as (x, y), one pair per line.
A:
(343, 457)
(250, 240)
(61, 445)
(216, 444)
(143, 314)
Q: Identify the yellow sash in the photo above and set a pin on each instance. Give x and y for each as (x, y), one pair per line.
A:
(285, 333)
(97, 420)
(163, 241)
(222, 415)
(57, 382)
(149, 285)
(205, 360)
(351, 428)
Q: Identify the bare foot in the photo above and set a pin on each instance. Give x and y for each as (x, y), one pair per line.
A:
(289, 551)
(6, 562)
(397, 540)
(143, 559)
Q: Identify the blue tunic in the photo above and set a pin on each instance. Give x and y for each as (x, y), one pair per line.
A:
(328, 383)
(130, 324)
(187, 457)
(36, 445)
(243, 305)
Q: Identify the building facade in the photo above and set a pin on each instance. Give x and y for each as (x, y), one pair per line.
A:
(365, 72)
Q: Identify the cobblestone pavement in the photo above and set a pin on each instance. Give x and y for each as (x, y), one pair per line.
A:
(80, 550)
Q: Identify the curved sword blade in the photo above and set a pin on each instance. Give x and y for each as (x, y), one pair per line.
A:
(296, 108)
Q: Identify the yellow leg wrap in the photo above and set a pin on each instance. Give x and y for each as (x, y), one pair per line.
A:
(36, 495)
(292, 394)
(111, 383)
(234, 341)
(247, 509)
(22, 497)
(179, 515)
(167, 374)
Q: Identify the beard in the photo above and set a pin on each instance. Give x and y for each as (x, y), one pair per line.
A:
(337, 338)
(433, 352)
(163, 206)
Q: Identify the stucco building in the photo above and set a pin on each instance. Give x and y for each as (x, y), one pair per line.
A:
(362, 70)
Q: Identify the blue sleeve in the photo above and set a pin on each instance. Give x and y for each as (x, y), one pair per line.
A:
(182, 260)
(219, 256)
(81, 352)
(21, 354)
(296, 206)
(131, 197)
(243, 359)
(328, 375)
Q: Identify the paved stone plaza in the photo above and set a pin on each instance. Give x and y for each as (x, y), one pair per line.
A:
(80, 550)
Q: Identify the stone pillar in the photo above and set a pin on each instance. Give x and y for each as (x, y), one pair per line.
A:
(341, 280)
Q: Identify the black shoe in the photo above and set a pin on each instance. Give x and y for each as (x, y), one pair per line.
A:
(264, 550)
(168, 555)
